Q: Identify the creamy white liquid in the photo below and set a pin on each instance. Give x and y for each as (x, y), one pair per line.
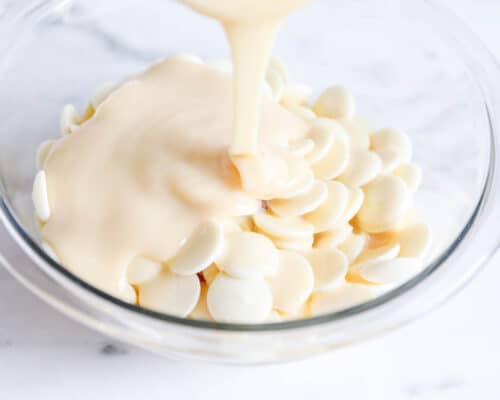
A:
(147, 168)
(152, 163)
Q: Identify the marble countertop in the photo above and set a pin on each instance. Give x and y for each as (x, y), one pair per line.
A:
(452, 353)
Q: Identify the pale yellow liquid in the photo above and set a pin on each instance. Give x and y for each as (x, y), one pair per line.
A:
(137, 178)
(147, 168)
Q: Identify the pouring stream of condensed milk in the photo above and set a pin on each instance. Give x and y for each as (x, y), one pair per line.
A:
(251, 28)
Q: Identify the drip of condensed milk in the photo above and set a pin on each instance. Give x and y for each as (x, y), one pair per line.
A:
(251, 27)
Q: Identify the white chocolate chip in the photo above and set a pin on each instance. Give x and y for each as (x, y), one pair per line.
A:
(362, 168)
(200, 312)
(142, 270)
(415, 240)
(333, 237)
(356, 198)
(335, 102)
(329, 267)
(43, 152)
(200, 250)
(301, 147)
(298, 186)
(391, 138)
(239, 300)
(358, 132)
(297, 245)
(171, 293)
(379, 290)
(283, 228)
(396, 270)
(293, 282)
(353, 246)
(323, 141)
(335, 162)
(69, 119)
(330, 211)
(248, 255)
(387, 200)
(341, 298)
(411, 174)
(40, 196)
(390, 158)
(412, 216)
(301, 204)
(383, 253)
(129, 294)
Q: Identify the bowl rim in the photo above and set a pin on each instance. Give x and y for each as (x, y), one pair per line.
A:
(14, 226)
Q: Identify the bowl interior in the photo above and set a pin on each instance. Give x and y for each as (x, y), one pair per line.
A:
(403, 71)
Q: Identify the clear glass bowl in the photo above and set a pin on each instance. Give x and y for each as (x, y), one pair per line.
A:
(410, 64)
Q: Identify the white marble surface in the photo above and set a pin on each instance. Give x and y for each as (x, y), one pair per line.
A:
(453, 353)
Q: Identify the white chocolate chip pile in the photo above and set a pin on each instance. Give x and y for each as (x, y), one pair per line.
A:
(325, 220)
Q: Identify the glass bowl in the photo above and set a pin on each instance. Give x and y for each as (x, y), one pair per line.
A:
(410, 64)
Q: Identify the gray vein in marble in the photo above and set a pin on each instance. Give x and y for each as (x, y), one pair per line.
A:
(114, 43)
(91, 27)
(110, 349)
